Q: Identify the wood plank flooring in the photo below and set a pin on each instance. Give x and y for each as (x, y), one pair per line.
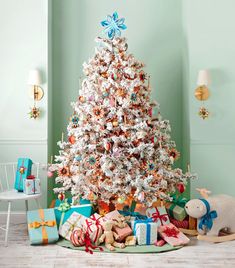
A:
(197, 254)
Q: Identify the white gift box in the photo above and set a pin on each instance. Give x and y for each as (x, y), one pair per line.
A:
(145, 232)
(74, 222)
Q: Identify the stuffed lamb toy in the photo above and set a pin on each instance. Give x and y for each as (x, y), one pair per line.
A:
(214, 213)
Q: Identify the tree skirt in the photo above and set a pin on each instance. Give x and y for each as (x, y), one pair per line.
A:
(129, 249)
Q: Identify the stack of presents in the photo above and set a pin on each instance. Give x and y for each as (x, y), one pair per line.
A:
(126, 225)
(120, 225)
(24, 180)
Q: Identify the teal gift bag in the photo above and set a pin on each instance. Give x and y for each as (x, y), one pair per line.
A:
(24, 167)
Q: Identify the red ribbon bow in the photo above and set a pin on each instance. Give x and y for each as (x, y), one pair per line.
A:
(156, 215)
(171, 232)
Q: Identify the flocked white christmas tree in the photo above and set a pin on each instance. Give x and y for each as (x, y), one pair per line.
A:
(116, 148)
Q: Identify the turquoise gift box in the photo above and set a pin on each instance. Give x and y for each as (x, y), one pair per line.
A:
(42, 226)
(24, 167)
(64, 209)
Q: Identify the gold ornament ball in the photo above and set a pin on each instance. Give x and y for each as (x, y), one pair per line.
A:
(115, 123)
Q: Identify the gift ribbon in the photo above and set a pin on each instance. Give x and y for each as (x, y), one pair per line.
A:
(63, 207)
(180, 201)
(99, 227)
(207, 219)
(137, 215)
(148, 228)
(72, 225)
(21, 173)
(42, 224)
(157, 215)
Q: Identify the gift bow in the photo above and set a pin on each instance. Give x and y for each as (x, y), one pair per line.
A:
(97, 221)
(171, 232)
(37, 224)
(179, 201)
(207, 219)
(63, 207)
(162, 217)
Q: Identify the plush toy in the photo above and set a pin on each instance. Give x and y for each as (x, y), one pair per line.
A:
(109, 236)
(213, 213)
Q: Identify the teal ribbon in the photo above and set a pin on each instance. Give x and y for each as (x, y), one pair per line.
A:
(207, 219)
(137, 215)
(177, 201)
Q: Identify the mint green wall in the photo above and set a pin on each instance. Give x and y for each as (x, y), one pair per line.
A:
(209, 27)
(154, 36)
(23, 46)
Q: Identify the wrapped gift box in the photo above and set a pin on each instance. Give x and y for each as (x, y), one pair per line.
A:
(172, 235)
(94, 228)
(74, 222)
(158, 215)
(98, 218)
(42, 226)
(24, 167)
(64, 209)
(121, 232)
(176, 209)
(32, 186)
(145, 232)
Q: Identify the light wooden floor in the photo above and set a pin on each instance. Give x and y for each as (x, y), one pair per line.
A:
(20, 254)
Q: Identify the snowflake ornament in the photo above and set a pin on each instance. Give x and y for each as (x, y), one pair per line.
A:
(113, 25)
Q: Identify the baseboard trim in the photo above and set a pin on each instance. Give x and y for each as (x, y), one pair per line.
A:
(15, 218)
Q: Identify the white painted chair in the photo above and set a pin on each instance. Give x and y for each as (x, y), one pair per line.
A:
(10, 195)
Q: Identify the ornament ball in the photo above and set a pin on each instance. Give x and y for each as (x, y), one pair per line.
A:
(50, 174)
(61, 196)
(181, 188)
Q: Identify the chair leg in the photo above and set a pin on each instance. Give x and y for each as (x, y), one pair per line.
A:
(38, 203)
(8, 223)
(26, 205)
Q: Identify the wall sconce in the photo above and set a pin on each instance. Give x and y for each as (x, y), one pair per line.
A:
(36, 92)
(202, 92)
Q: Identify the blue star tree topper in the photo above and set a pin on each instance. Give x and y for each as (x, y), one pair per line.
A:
(113, 25)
